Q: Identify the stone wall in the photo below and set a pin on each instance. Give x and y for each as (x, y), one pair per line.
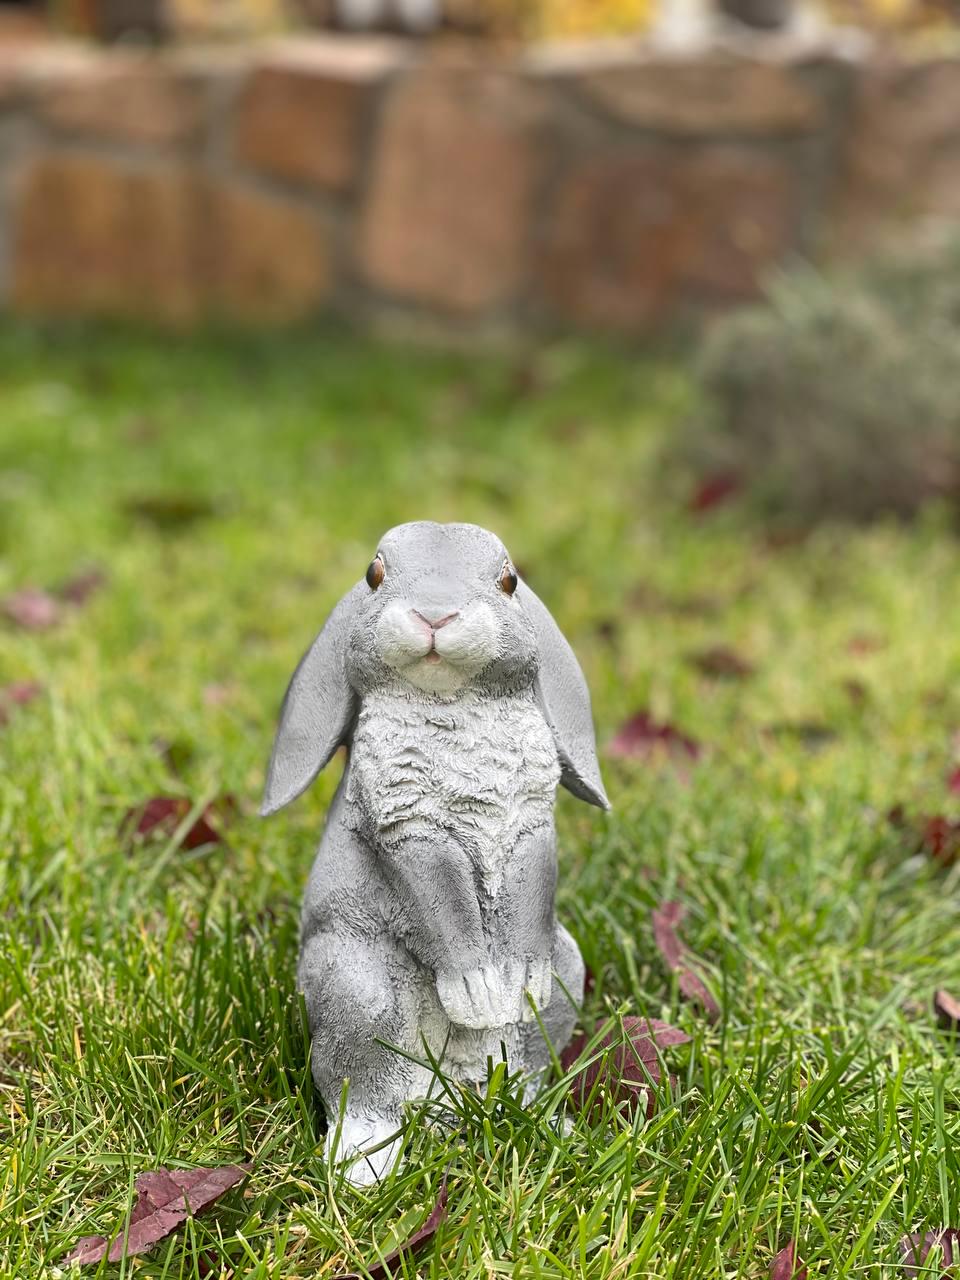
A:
(610, 187)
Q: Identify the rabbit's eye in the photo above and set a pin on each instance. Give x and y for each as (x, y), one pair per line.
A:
(375, 573)
(507, 581)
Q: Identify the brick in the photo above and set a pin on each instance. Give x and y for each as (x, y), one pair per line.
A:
(139, 100)
(166, 243)
(452, 190)
(901, 160)
(303, 109)
(636, 231)
(710, 95)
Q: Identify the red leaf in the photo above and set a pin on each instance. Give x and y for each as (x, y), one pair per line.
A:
(379, 1270)
(165, 1198)
(953, 781)
(161, 815)
(32, 608)
(78, 589)
(666, 920)
(947, 1009)
(17, 694)
(641, 737)
(915, 1249)
(861, 645)
(940, 837)
(21, 692)
(714, 490)
(625, 1071)
(785, 1265)
(721, 662)
(856, 691)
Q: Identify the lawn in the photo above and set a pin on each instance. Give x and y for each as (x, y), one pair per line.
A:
(231, 489)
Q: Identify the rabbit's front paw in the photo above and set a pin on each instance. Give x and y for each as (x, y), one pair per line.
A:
(473, 999)
(538, 985)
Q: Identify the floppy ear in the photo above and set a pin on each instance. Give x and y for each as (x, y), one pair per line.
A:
(317, 713)
(565, 702)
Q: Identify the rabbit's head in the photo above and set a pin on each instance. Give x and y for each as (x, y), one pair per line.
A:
(440, 610)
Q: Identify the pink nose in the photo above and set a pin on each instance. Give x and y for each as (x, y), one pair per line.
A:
(436, 623)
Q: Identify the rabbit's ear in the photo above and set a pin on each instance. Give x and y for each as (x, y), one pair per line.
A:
(317, 713)
(565, 702)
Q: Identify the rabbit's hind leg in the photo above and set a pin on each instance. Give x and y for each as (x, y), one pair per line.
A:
(363, 1003)
(559, 1017)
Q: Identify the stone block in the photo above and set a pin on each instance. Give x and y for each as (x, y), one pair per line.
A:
(269, 257)
(709, 95)
(141, 100)
(95, 237)
(455, 173)
(303, 109)
(901, 153)
(636, 231)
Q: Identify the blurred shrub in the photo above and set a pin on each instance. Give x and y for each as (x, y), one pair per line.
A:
(839, 396)
(547, 19)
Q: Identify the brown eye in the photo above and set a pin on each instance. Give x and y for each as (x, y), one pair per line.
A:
(508, 579)
(375, 573)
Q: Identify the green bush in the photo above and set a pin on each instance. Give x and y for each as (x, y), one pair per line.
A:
(839, 396)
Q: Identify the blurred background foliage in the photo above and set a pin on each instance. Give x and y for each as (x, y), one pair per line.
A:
(524, 20)
(840, 394)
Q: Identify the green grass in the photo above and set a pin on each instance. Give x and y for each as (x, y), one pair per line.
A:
(147, 995)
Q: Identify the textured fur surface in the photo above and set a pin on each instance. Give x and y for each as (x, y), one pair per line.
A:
(428, 922)
(482, 770)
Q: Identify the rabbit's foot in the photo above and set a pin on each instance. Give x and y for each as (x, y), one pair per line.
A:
(367, 1149)
(522, 979)
(538, 984)
(475, 998)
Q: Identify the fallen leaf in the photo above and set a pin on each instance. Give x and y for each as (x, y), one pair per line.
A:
(916, 1247)
(784, 538)
(646, 598)
(721, 662)
(32, 608)
(940, 837)
(947, 1009)
(863, 644)
(641, 737)
(953, 781)
(165, 1198)
(383, 1270)
(170, 511)
(161, 815)
(811, 733)
(78, 589)
(623, 1064)
(933, 834)
(785, 1265)
(20, 692)
(666, 921)
(713, 491)
(856, 690)
(17, 694)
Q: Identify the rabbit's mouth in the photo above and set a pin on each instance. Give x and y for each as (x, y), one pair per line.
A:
(438, 650)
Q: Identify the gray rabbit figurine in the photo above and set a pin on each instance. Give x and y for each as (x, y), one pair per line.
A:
(429, 913)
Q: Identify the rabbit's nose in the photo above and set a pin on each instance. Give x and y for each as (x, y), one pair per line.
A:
(436, 623)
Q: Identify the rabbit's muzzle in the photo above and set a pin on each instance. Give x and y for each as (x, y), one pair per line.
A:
(437, 649)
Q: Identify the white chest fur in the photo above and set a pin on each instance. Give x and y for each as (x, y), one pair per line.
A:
(480, 770)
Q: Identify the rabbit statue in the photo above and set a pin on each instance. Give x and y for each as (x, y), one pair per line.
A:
(429, 913)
